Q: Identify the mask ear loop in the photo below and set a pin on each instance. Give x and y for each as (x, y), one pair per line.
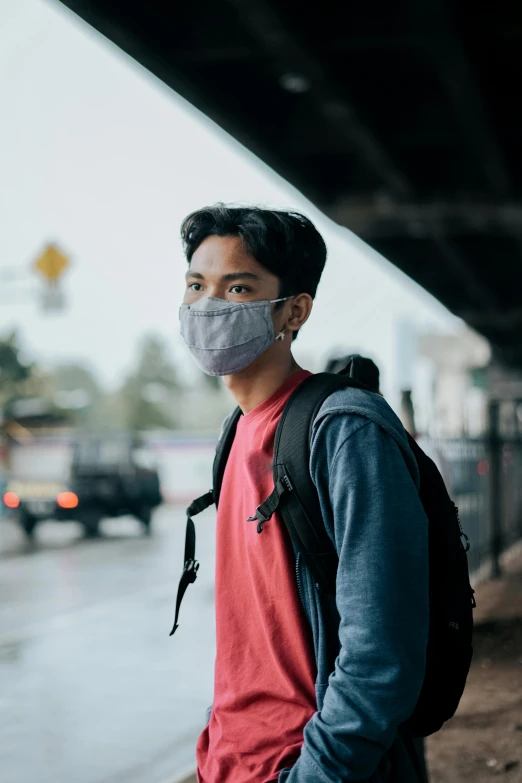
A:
(281, 335)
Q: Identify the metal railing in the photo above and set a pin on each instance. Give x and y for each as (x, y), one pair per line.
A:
(485, 482)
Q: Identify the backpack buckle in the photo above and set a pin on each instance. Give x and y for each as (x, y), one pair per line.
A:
(191, 570)
(265, 511)
(260, 516)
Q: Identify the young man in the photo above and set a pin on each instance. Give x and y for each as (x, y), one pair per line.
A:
(308, 688)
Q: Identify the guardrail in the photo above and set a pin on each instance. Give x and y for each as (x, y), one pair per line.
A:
(485, 481)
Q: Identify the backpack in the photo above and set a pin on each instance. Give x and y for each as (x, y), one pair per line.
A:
(449, 649)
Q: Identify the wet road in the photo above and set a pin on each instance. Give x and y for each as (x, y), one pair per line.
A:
(92, 690)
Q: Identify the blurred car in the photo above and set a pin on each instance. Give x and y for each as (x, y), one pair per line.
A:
(105, 480)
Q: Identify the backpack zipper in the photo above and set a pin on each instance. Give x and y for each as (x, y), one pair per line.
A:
(298, 578)
(462, 533)
(288, 484)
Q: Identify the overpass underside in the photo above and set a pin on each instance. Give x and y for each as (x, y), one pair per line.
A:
(400, 120)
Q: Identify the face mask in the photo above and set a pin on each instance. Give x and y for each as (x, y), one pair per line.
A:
(225, 337)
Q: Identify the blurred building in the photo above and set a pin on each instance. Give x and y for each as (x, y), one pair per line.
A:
(459, 384)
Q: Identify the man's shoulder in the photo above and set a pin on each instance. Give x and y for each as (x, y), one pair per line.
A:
(366, 415)
(351, 404)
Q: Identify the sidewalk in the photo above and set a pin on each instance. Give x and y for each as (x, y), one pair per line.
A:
(483, 742)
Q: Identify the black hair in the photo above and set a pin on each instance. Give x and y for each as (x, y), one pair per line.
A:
(284, 242)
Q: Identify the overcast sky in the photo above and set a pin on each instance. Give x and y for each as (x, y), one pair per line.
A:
(99, 156)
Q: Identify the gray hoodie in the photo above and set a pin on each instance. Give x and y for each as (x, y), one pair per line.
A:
(370, 639)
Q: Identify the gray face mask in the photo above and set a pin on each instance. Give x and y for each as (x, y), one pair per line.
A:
(225, 337)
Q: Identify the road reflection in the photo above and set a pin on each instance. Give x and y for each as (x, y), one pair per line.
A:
(93, 689)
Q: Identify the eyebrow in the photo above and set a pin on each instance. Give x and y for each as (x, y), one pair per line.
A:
(229, 278)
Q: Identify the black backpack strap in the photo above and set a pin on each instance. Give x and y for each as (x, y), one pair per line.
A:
(298, 502)
(191, 565)
(226, 439)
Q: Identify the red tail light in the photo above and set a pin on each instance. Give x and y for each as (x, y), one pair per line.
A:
(11, 500)
(67, 500)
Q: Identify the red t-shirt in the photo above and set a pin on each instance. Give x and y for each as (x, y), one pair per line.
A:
(265, 668)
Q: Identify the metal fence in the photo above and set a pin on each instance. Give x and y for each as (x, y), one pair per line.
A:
(485, 482)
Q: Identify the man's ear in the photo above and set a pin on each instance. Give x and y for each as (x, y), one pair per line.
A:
(300, 307)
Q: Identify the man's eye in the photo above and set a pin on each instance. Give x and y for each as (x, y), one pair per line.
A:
(195, 287)
(239, 289)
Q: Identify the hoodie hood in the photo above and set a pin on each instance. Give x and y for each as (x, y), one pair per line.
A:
(375, 408)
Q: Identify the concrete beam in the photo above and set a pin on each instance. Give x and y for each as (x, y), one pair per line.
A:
(432, 19)
(387, 218)
(290, 57)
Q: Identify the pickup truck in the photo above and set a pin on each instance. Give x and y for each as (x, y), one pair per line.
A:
(104, 480)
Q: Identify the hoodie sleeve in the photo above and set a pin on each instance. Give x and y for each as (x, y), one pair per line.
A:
(373, 514)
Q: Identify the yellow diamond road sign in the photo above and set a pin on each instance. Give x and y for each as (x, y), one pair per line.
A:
(51, 263)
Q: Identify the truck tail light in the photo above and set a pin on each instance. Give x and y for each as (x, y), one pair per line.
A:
(11, 500)
(67, 500)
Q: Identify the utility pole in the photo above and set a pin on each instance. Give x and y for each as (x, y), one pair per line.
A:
(495, 499)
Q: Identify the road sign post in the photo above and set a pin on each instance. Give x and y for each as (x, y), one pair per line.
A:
(51, 264)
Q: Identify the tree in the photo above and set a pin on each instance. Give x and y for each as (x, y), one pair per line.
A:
(74, 388)
(150, 394)
(14, 373)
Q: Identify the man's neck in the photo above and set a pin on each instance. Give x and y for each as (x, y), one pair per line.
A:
(258, 382)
